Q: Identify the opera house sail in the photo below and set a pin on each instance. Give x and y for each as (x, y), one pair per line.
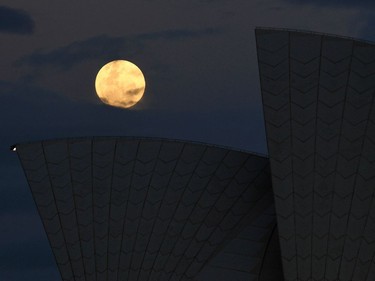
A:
(148, 209)
(318, 101)
(119, 208)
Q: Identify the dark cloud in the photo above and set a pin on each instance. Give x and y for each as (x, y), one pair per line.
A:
(15, 21)
(134, 92)
(127, 103)
(106, 47)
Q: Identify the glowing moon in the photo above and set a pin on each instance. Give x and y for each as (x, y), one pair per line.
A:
(120, 83)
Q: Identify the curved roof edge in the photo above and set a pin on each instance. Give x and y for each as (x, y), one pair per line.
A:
(302, 31)
(13, 147)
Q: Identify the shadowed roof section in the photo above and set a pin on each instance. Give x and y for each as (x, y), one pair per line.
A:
(318, 101)
(118, 208)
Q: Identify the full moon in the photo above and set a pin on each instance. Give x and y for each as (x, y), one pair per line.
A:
(120, 83)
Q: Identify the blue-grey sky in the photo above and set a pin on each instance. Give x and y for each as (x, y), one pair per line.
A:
(199, 61)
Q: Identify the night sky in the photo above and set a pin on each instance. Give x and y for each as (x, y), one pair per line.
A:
(200, 66)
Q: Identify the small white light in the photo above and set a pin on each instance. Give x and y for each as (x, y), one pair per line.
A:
(14, 149)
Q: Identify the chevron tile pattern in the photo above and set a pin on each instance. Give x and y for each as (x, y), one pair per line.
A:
(117, 208)
(250, 255)
(318, 100)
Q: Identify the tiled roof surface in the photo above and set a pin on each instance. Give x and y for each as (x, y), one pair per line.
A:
(318, 100)
(143, 209)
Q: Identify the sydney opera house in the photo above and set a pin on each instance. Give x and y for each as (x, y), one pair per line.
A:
(147, 209)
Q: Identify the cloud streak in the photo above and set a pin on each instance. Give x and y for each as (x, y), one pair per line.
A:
(106, 47)
(15, 21)
(134, 92)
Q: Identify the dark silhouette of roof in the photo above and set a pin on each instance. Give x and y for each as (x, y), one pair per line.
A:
(118, 208)
(318, 100)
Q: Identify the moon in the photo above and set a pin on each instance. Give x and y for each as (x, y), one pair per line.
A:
(120, 83)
